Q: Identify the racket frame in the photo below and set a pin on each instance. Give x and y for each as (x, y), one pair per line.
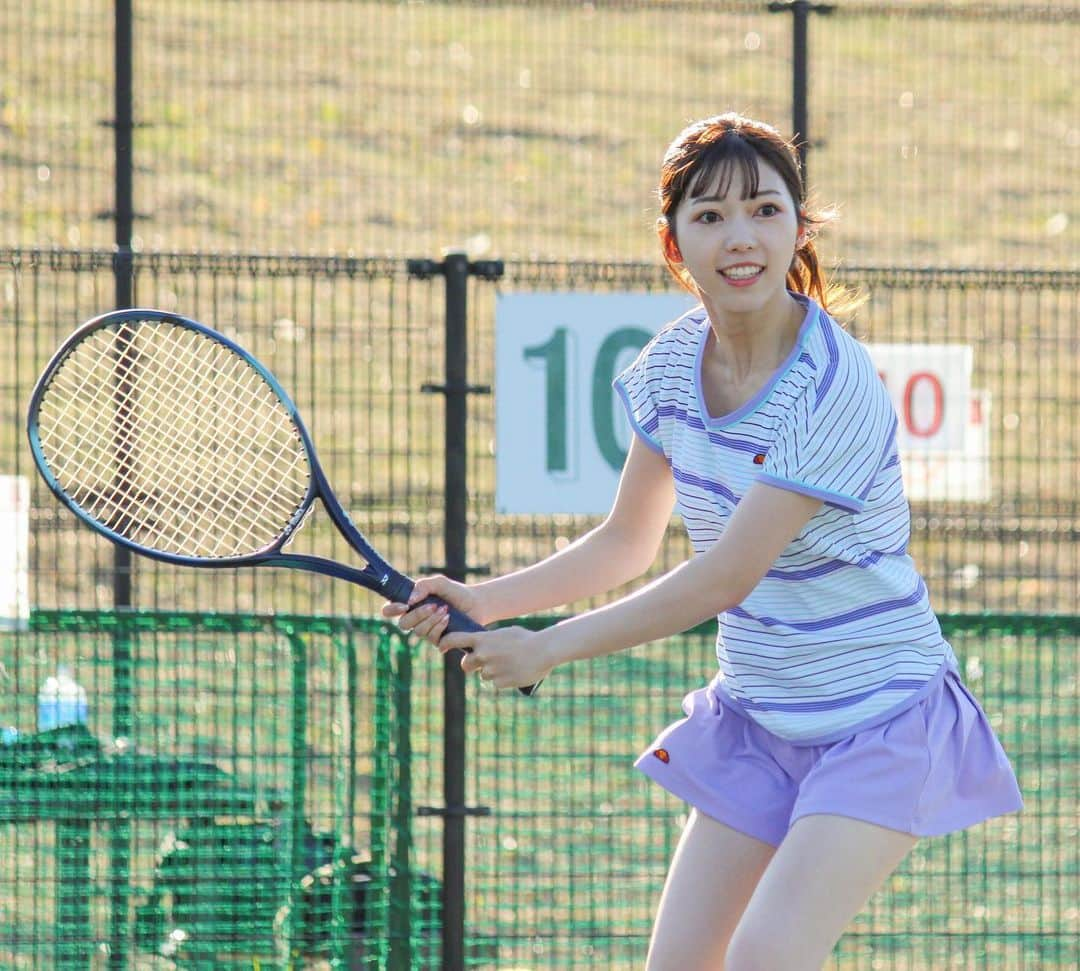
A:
(378, 576)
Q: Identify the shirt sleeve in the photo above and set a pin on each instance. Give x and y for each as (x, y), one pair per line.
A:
(638, 396)
(836, 438)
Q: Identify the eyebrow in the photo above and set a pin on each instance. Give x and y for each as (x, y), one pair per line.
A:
(756, 195)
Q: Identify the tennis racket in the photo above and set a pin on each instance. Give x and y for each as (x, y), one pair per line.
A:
(168, 438)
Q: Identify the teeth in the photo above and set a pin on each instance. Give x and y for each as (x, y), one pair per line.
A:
(742, 272)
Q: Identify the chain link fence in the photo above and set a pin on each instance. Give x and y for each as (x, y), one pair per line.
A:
(564, 871)
(355, 340)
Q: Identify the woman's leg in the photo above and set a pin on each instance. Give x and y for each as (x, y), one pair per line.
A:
(820, 878)
(712, 876)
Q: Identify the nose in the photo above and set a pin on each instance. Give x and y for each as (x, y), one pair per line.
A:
(740, 236)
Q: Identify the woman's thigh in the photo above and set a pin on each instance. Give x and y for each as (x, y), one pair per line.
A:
(712, 876)
(820, 877)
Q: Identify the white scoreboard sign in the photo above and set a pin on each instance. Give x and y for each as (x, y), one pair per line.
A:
(562, 435)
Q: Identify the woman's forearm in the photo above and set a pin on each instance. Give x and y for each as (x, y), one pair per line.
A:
(597, 562)
(617, 551)
(691, 593)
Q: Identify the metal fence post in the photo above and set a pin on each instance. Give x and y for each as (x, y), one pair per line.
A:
(123, 273)
(123, 215)
(800, 69)
(456, 269)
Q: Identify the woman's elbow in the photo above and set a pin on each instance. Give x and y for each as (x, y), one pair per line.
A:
(637, 563)
(633, 551)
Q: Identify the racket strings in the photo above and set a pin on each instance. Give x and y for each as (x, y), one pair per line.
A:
(174, 441)
(125, 483)
(187, 449)
(239, 381)
(185, 501)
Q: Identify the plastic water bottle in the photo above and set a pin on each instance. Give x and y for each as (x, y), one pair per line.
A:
(61, 701)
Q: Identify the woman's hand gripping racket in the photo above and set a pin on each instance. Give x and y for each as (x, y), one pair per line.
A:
(171, 440)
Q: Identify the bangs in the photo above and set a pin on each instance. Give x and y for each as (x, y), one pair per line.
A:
(715, 168)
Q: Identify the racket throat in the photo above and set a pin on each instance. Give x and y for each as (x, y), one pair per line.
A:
(380, 578)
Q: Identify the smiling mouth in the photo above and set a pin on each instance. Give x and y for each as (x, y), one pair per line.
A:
(742, 273)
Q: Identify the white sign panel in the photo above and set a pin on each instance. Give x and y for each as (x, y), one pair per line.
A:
(14, 552)
(930, 388)
(961, 474)
(943, 430)
(562, 434)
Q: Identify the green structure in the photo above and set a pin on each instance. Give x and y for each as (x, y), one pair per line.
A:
(268, 808)
(223, 827)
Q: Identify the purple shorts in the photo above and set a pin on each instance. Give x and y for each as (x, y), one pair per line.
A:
(933, 768)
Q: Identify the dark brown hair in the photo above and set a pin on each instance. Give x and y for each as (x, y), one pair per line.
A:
(712, 149)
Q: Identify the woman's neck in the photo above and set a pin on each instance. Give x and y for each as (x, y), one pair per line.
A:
(745, 344)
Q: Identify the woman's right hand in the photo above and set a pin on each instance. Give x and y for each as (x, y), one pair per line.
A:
(429, 620)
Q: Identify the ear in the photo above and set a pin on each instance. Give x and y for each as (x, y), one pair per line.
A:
(670, 247)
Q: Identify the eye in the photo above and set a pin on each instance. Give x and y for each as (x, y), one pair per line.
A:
(768, 209)
(708, 216)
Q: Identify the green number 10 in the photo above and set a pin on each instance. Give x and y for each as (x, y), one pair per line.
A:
(554, 356)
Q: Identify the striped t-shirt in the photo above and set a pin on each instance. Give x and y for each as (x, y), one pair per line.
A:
(839, 634)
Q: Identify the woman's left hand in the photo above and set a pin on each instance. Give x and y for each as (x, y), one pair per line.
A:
(508, 657)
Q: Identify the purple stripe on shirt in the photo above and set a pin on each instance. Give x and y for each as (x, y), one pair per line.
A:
(823, 569)
(897, 684)
(834, 360)
(716, 488)
(695, 422)
(838, 620)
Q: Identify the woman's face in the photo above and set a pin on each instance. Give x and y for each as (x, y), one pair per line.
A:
(737, 247)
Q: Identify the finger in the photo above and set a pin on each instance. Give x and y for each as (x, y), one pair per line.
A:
(392, 609)
(470, 662)
(459, 641)
(414, 621)
(425, 588)
(433, 621)
(439, 627)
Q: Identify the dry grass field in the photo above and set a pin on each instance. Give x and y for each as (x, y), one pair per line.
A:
(533, 129)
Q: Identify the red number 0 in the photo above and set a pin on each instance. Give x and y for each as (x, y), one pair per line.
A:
(938, 414)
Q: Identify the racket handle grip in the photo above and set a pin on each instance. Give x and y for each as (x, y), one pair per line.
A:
(463, 622)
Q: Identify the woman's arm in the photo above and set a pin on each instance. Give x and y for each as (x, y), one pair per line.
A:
(620, 549)
(764, 523)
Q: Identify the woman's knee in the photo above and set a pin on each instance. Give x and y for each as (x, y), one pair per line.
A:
(750, 948)
(673, 956)
(756, 947)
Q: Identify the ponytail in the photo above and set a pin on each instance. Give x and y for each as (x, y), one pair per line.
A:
(807, 277)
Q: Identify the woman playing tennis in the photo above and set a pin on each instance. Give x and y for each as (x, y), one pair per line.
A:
(837, 730)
